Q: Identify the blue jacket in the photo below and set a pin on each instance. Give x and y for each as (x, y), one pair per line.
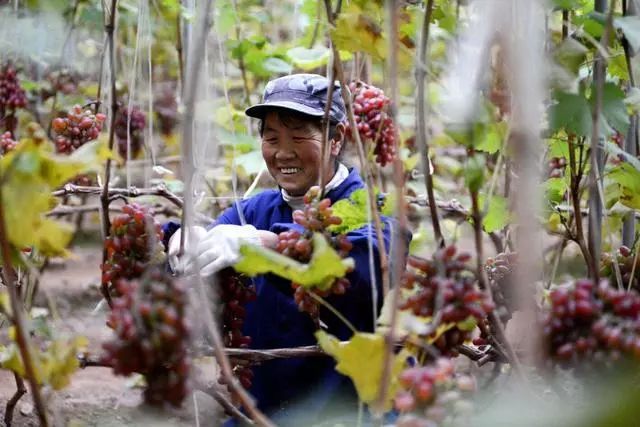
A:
(301, 390)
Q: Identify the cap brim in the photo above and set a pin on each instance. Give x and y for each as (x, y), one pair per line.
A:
(260, 110)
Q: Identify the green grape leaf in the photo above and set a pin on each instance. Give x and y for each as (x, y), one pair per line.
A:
(498, 214)
(571, 54)
(353, 212)
(277, 65)
(474, 172)
(614, 108)
(555, 189)
(324, 267)
(361, 359)
(491, 139)
(628, 178)
(570, 112)
(53, 367)
(30, 173)
(356, 31)
(308, 59)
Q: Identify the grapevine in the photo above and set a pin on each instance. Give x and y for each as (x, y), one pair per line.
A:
(432, 393)
(315, 218)
(373, 122)
(12, 97)
(134, 243)
(149, 320)
(130, 130)
(76, 129)
(445, 280)
(234, 294)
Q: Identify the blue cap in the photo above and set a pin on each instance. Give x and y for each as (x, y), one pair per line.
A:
(304, 93)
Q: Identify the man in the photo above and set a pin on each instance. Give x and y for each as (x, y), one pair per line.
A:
(297, 390)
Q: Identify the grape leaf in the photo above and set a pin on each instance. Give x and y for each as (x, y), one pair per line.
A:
(30, 173)
(324, 267)
(474, 172)
(361, 359)
(53, 366)
(570, 112)
(498, 214)
(628, 178)
(614, 108)
(353, 211)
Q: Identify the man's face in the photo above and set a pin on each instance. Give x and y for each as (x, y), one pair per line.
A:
(293, 154)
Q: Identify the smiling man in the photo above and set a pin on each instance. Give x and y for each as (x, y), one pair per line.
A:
(296, 391)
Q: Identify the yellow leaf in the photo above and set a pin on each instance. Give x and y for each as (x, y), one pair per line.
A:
(361, 359)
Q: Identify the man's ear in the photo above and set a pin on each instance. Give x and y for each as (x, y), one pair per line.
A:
(338, 139)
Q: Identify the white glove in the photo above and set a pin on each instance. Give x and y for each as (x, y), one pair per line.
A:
(193, 237)
(220, 247)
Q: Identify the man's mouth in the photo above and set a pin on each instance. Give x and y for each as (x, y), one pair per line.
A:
(289, 171)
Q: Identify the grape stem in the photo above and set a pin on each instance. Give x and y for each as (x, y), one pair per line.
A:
(11, 403)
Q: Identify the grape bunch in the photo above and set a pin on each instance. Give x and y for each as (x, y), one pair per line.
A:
(592, 324)
(6, 143)
(373, 122)
(166, 107)
(76, 129)
(556, 167)
(432, 393)
(134, 243)
(149, 321)
(129, 126)
(12, 97)
(445, 280)
(316, 217)
(63, 80)
(235, 292)
(626, 259)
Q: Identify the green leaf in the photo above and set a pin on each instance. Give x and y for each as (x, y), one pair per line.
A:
(308, 59)
(251, 162)
(324, 267)
(357, 31)
(353, 212)
(277, 65)
(628, 178)
(498, 214)
(555, 189)
(614, 108)
(474, 173)
(570, 112)
(491, 139)
(633, 99)
(361, 359)
(571, 54)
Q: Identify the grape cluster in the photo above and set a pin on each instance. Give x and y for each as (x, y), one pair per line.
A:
(432, 393)
(373, 122)
(6, 143)
(129, 129)
(625, 258)
(63, 80)
(149, 320)
(134, 243)
(166, 107)
(556, 167)
(12, 96)
(593, 324)
(445, 282)
(235, 292)
(316, 217)
(76, 129)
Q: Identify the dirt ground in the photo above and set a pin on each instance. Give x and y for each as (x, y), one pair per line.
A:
(96, 397)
